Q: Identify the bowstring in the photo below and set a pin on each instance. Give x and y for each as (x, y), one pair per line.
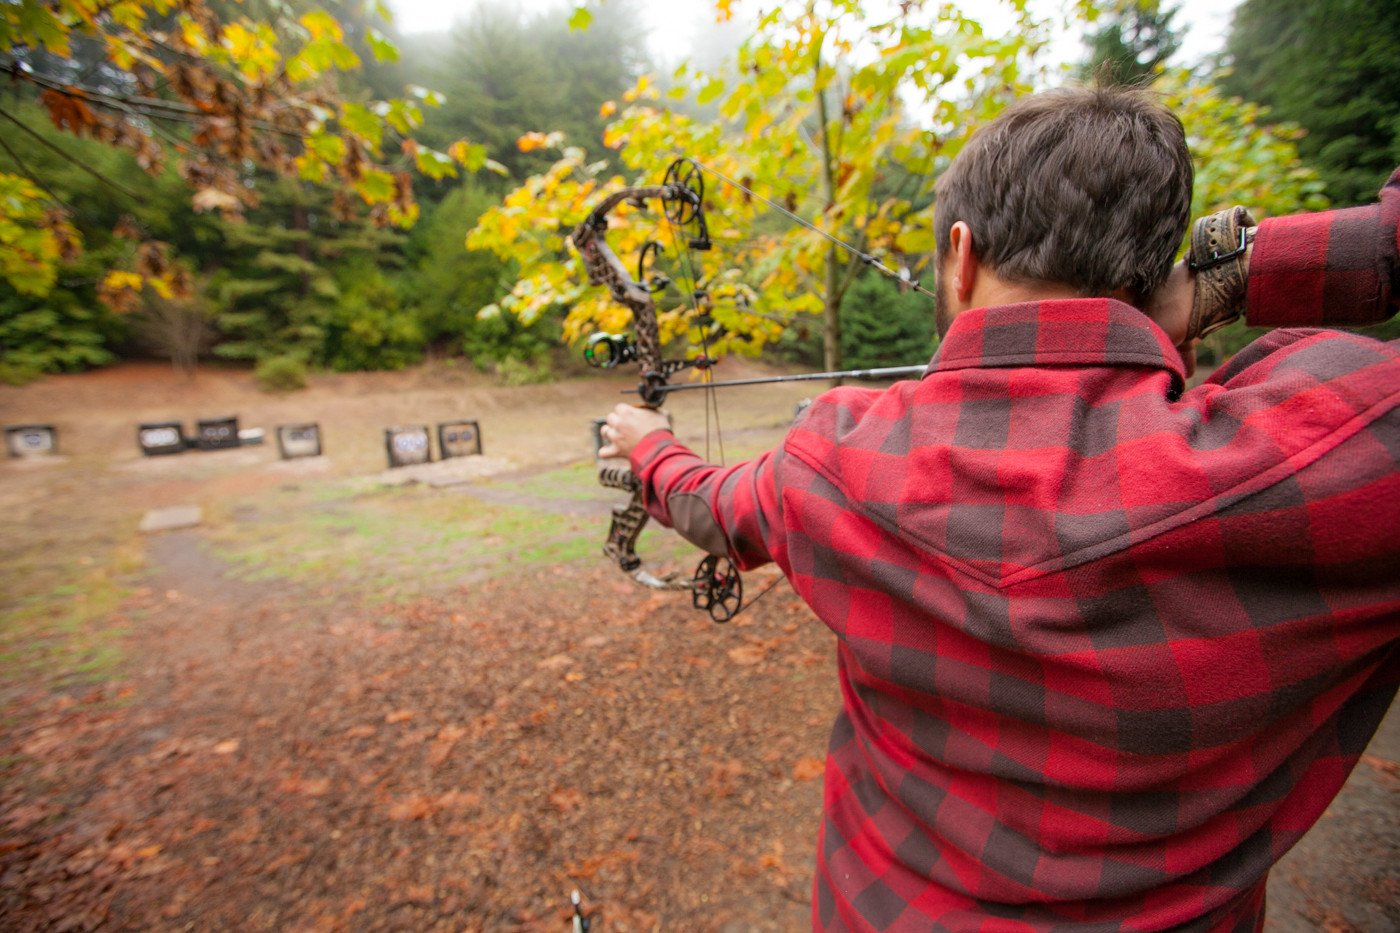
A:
(690, 280)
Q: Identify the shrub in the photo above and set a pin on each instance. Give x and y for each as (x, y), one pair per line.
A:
(284, 373)
(513, 371)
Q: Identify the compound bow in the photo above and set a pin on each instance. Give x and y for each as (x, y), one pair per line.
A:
(715, 586)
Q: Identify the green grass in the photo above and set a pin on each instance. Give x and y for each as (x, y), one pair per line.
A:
(56, 638)
(335, 538)
(577, 482)
(405, 539)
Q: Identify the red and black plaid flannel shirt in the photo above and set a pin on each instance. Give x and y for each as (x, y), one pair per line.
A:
(1106, 649)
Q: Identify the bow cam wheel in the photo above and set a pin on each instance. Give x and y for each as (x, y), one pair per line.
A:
(684, 175)
(718, 588)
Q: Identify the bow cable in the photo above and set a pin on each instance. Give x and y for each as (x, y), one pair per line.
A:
(690, 281)
(860, 254)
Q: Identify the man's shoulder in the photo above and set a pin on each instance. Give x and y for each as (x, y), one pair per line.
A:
(849, 416)
(1296, 359)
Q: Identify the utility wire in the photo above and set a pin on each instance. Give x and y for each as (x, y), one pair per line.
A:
(71, 158)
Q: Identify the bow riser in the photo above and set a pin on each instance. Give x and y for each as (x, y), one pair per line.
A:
(604, 268)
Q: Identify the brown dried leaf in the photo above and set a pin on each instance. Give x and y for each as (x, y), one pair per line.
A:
(458, 801)
(747, 655)
(808, 768)
(566, 799)
(412, 807)
(311, 787)
(442, 746)
(612, 859)
(1382, 764)
(212, 199)
(68, 112)
(419, 894)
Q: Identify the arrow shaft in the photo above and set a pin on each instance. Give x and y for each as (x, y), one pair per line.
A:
(888, 372)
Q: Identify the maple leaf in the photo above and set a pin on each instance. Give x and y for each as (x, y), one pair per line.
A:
(808, 768)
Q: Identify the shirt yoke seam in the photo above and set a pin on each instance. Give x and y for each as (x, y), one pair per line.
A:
(1251, 485)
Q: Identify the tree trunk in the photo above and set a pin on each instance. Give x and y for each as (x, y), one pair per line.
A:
(831, 313)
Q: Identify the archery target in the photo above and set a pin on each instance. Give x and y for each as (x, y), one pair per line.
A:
(216, 433)
(161, 437)
(31, 440)
(408, 445)
(459, 439)
(299, 440)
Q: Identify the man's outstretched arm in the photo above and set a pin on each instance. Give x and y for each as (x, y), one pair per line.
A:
(744, 529)
(1336, 268)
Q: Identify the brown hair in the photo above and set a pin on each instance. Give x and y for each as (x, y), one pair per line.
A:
(1085, 187)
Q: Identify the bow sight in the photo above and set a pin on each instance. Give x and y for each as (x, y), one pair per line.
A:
(604, 351)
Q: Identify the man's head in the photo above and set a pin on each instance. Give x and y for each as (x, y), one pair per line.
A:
(1083, 191)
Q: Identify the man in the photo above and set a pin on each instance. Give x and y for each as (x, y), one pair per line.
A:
(1107, 647)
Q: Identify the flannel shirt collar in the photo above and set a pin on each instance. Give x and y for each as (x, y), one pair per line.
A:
(1063, 332)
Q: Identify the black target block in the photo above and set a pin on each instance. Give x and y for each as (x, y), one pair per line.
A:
(158, 438)
(216, 433)
(31, 440)
(298, 440)
(408, 445)
(459, 439)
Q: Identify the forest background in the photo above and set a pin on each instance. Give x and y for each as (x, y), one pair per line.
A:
(340, 240)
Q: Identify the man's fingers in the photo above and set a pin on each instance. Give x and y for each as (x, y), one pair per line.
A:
(610, 434)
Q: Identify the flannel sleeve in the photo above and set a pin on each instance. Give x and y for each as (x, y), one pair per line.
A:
(1334, 268)
(733, 511)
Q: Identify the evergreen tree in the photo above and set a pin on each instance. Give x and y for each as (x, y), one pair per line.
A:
(1134, 41)
(882, 326)
(60, 333)
(451, 285)
(111, 202)
(504, 74)
(1333, 67)
(291, 281)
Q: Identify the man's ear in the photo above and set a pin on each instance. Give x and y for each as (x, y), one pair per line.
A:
(964, 260)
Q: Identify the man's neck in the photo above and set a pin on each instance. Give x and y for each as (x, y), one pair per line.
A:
(992, 290)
